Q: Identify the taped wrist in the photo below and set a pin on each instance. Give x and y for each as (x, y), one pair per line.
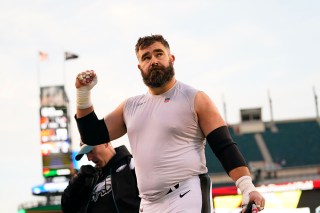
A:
(84, 95)
(245, 185)
(83, 98)
(225, 149)
(92, 130)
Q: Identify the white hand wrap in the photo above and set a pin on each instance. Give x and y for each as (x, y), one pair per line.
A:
(246, 186)
(83, 95)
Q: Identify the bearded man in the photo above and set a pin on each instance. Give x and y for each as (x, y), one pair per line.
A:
(167, 129)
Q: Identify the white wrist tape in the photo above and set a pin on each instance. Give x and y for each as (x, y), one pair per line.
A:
(246, 186)
(83, 95)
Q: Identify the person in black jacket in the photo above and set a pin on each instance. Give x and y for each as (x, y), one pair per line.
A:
(110, 186)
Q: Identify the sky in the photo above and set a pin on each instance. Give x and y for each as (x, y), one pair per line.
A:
(236, 51)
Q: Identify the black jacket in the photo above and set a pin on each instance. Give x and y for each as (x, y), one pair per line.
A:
(125, 196)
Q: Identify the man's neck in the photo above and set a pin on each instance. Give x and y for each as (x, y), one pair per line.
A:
(164, 88)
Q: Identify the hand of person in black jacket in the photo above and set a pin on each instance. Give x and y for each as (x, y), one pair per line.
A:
(79, 189)
(87, 171)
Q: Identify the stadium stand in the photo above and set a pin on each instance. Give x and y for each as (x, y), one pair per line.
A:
(297, 143)
(288, 149)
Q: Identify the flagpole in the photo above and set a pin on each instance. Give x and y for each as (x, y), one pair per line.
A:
(224, 109)
(38, 70)
(270, 105)
(42, 56)
(272, 123)
(64, 70)
(38, 76)
(68, 56)
(316, 102)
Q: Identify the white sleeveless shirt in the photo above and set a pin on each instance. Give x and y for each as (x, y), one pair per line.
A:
(165, 138)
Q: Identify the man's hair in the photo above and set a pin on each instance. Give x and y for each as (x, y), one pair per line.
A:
(146, 41)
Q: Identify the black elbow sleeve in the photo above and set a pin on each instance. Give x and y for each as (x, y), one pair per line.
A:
(225, 149)
(92, 130)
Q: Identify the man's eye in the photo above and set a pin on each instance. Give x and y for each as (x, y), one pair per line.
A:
(145, 58)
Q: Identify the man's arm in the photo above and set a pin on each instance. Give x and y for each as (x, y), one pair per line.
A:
(77, 194)
(92, 130)
(214, 128)
(85, 81)
(221, 143)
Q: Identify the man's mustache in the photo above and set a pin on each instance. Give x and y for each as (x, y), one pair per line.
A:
(157, 68)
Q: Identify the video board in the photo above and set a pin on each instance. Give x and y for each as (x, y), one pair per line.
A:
(54, 132)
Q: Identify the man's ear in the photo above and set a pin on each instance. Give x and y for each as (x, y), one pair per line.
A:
(139, 66)
(173, 58)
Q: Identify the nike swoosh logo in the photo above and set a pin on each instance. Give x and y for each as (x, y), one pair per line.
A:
(181, 195)
(139, 104)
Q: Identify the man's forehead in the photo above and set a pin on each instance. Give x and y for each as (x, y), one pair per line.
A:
(155, 47)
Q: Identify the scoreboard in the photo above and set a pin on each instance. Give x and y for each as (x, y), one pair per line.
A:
(55, 132)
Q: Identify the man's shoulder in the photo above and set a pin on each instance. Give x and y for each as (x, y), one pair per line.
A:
(135, 100)
(185, 86)
(186, 90)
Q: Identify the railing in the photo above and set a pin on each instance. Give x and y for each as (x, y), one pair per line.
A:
(274, 175)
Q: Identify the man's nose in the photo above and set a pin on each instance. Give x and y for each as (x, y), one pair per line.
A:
(154, 61)
(89, 157)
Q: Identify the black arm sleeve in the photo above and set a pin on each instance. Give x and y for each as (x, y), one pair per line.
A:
(225, 149)
(92, 130)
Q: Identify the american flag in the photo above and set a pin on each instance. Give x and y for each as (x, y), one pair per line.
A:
(43, 56)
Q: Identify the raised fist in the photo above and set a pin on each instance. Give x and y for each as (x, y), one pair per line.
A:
(87, 78)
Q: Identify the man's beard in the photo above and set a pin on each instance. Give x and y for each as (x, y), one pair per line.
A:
(158, 75)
